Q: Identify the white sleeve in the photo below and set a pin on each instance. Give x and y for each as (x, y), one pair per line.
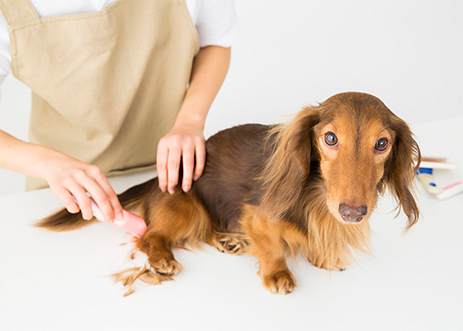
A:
(5, 57)
(216, 22)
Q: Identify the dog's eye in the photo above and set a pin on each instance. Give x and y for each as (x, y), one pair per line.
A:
(331, 139)
(381, 145)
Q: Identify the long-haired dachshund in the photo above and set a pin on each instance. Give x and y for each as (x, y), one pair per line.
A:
(308, 186)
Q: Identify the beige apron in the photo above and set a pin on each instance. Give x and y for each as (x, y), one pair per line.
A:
(106, 85)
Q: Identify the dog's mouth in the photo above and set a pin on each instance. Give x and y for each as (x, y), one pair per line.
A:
(356, 221)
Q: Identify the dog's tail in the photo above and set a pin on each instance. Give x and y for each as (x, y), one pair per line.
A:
(63, 220)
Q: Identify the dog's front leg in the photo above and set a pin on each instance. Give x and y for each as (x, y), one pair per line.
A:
(268, 246)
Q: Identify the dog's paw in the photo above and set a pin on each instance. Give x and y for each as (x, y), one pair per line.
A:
(166, 266)
(282, 282)
(230, 243)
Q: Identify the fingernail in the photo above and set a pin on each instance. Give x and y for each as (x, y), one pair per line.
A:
(163, 189)
(171, 190)
(119, 215)
(186, 188)
(195, 178)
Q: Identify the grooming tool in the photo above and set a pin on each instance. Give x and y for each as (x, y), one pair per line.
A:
(130, 223)
(425, 173)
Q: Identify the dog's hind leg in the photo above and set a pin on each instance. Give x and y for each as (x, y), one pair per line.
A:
(175, 221)
(160, 256)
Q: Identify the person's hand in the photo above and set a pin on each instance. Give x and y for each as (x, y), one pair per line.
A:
(182, 144)
(185, 142)
(71, 179)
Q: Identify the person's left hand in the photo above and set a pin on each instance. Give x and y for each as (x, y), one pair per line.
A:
(185, 144)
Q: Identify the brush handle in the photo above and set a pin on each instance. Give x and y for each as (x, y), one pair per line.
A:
(131, 223)
(450, 191)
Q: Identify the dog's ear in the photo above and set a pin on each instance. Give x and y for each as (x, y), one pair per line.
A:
(401, 168)
(287, 168)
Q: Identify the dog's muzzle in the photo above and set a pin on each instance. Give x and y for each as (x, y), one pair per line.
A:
(352, 214)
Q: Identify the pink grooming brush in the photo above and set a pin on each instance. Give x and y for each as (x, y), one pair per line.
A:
(131, 223)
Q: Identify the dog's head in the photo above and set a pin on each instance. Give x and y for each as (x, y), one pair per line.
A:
(358, 145)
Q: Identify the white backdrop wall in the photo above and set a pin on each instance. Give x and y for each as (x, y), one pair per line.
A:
(294, 53)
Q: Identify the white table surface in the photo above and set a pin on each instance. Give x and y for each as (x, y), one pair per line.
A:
(59, 281)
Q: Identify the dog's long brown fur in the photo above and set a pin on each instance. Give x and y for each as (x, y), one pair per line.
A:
(272, 190)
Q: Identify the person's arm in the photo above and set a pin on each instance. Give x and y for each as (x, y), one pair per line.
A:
(68, 177)
(185, 140)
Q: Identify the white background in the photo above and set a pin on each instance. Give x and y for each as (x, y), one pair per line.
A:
(294, 53)
(60, 281)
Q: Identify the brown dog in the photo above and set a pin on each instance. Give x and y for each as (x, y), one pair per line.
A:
(309, 186)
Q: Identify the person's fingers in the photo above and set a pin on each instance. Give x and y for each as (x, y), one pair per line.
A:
(173, 165)
(161, 166)
(200, 152)
(99, 196)
(188, 160)
(101, 179)
(67, 199)
(84, 202)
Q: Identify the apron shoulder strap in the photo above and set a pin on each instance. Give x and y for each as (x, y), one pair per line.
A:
(18, 11)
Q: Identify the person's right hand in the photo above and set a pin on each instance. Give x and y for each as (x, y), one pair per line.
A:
(71, 179)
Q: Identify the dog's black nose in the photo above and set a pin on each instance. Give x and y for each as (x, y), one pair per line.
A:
(352, 214)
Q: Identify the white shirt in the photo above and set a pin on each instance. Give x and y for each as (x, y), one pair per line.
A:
(215, 20)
